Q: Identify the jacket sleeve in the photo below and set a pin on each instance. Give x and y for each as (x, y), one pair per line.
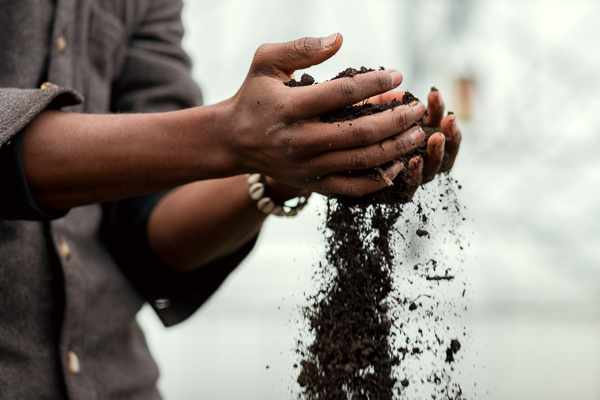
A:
(156, 74)
(18, 107)
(157, 77)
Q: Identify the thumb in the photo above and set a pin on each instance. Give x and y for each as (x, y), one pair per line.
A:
(298, 54)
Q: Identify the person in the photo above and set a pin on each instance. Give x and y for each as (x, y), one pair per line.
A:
(139, 194)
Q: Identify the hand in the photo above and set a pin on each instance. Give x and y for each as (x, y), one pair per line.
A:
(275, 130)
(442, 146)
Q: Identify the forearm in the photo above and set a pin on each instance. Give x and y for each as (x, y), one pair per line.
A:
(76, 159)
(202, 221)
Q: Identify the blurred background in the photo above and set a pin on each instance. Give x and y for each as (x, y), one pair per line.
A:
(523, 78)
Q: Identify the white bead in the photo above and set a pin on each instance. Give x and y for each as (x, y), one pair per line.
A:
(257, 190)
(265, 205)
(253, 178)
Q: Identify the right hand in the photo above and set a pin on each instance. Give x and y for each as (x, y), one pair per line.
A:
(275, 129)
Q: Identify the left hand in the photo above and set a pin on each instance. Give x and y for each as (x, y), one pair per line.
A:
(442, 146)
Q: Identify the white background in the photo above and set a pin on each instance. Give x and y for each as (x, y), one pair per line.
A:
(529, 166)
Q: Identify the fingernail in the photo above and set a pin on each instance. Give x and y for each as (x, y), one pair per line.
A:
(396, 77)
(396, 168)
(420, 107)
(329, 41)
(417, 135)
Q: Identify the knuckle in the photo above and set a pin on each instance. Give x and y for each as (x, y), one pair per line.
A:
(292, 107)
(303, 167)
(363, 134)
(302, 47)
(261, 53)
(350, 90)
(383, 81)
(261, 57)
(285, 107)
(290, 145)
(400, 146)
(353, 189)
(360, 160)
(405, 119)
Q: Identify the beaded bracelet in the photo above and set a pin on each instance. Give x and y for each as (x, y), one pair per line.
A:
(259, 192)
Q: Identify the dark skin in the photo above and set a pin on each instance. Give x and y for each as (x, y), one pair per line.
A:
(267, 127)
(442, 146)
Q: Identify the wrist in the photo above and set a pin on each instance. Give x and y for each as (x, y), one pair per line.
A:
(281, 192)
(206, 134)
(266, 202)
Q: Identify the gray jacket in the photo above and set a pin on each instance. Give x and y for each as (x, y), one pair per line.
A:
(68, 299)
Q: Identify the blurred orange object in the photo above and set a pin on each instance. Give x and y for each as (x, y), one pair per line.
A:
(465, 87)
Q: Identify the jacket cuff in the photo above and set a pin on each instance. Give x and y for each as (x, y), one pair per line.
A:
(174, 296)
(19, 107)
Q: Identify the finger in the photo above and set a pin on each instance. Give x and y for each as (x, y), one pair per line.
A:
(339, 93)
(435, 156)
(282, 59)
(363, 131)
(415, 171)
(435, 108)
(368, 156)
(356, 186)
(386, 97)
(453, 135)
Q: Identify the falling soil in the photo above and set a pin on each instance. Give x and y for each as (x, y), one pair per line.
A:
(358, 317)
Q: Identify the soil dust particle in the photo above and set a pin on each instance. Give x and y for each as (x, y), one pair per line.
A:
(452, 350)
(440, 278)
(449, 355)
(404, 382)
(422, 232)
(455, 345)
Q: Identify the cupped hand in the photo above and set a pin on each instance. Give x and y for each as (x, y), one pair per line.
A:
(276, 130)
(442, 146)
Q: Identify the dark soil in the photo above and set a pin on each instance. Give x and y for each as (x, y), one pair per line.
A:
(350, 357)
(353, 354)
(305, 80)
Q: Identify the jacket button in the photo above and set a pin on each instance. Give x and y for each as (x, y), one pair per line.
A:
(73, 363)
(61, 43)
(47, 85)
(64, 250)
(161, 304)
